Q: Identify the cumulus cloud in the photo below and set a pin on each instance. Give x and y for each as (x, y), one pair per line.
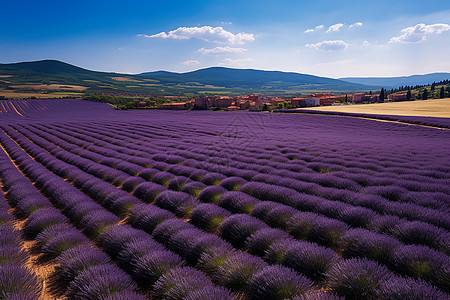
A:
(329, 46)
(419, 33)
(205, 33)
(366, 43)
(191, 62)
(335, 27)
(222, 50)
(317, 28)
(357, 24)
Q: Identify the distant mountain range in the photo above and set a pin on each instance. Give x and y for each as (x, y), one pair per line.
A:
(394, 82)
(56, 75)
(209, 80)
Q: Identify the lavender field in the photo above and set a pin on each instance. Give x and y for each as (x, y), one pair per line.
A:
(106, 204)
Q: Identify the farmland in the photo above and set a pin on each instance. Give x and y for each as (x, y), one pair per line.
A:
(106, 204)
(439, 108)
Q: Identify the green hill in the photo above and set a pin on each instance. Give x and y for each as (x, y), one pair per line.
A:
(52, 76)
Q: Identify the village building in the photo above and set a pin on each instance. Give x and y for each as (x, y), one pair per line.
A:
(362, 97)
(401, 97)
(299, 102)
(175, 106)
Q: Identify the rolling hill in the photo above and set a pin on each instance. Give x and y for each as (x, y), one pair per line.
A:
(393, 82)
(255, 79)
(55, 75)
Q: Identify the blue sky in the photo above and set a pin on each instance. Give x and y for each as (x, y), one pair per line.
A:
(325, 38)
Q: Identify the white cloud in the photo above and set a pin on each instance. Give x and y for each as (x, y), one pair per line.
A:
(357, 24)
(205, 33)
(235, 62)
(317, 28)
(335, 27)
(222, 50)
(419, 33)
(227, 23)
(366, 43)
(191, 62)
(329, 46)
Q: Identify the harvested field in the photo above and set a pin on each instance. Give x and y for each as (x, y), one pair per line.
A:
(50, 87)
(439, 108)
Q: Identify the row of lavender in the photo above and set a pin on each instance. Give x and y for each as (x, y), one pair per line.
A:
(294, 285)
(379, 204)
(417, 225)
(175, 187)
(320, 184)
(426, 121)
(16, 281)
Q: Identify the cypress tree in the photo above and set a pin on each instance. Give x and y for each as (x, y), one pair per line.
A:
(382, 95)
(442, 93)
(433, 86)
(408, 95)
(425, 94)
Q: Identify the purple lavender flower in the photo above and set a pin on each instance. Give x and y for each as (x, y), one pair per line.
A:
(148, 174)
(213, 178)
(193, 188)
(131, 182)
(179, 203)
(12, 254)
(237, 228)
(237, 202)
(136, 248)
(233, 183)
(211, 194)
(15, 279)
(210, 292)
(179, 282)
(100, 282)
(356, 278)
(364, 243)
(421, 233)
(399, 288)
(148, 268)
(96, 222)
(309, 259)
(147, 217)
(260, 241)
(41, 219)
(213, 258)
(168, 228)
(277, 282)
(178, 182)
(163, 178)
(208, 216)
(236, 272)
(423, 263)
(147, 191)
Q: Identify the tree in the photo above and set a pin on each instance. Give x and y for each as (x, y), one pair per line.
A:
(382, 95)
(442, 93)
(370, 93)
(265, 108)
(408, 95)
(425, 94)
(346, 98)
(433, 86)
